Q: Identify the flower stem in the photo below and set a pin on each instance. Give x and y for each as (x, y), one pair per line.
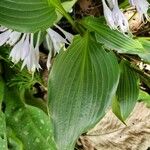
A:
(59, 7)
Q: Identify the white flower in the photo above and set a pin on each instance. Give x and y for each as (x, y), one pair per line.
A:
(55, 42)
(142, 7)
(108, 15)
(114, 17)
(20, 49)
(120, 20)
(31, 59)
(68, 36)
(25, 48)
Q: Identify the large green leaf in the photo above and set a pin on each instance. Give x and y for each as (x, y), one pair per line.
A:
(81, 84)
(30, 127)
(27, 15)
(112, 39)
(127, 92)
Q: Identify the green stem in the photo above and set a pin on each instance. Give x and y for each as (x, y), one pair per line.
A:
(70, 20)
(59, 7)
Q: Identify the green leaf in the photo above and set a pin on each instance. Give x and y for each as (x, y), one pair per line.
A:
(1, 90)
(67, 5)
(116, 109)
(1, 86)
(128, 90)
(146, 45)
(27, 15)
(29, 124)
(144, 97)
(112, 39)
(81, 85)
(13, 141)
(3, 138)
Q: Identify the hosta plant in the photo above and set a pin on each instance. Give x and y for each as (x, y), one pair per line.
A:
(91, 66)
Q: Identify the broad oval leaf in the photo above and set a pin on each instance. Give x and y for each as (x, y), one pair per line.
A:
(29, 124)
(81, 84)
(127, 91)
(27, 15)
(112, 39)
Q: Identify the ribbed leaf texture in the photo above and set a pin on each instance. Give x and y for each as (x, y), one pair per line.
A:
(27, 15)
(112, 39)
(128, 90)
(81, 85)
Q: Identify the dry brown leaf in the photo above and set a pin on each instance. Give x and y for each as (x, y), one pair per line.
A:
(111, 134)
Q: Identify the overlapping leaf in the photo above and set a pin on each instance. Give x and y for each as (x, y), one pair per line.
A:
(127, 92)
(146, 45)
(27, 15)
(81, 85)
(29, 127)
(112, 39)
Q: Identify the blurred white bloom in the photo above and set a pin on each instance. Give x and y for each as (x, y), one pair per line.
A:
(68, 36)
(25, 48)
(20, 49)
(114, 16)
(142, 7)
(108, 15)
(55, 42)
(120, 20)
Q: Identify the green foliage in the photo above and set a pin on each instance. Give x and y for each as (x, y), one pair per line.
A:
(80, 89)
(1, 90)
(97, 70)
(30, 125)
(146, 44)
(3, 137)
(27, 15)
(144, 97)
(112, 39)
(127, 92)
